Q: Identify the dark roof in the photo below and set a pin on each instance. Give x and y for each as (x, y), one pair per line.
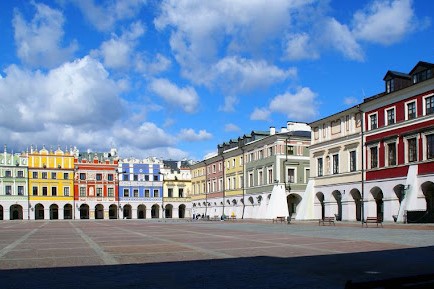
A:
(100, 156)
(421, 64)
(395, 74)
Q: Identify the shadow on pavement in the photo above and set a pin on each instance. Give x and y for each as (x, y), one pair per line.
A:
(324, 271)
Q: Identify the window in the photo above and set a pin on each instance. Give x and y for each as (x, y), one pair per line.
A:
(99, 192)
(110, 177)
(155, 177)
(181, 192)
(430, 146)
(335, 164)
(53, 176)
(65, 176)
(156, 193)
(390, 85)
(213, 168)
(35, 175)
(233, 162)
(20, 174)
(250, 157)
(250, 179)
(136, 177)
(374, 157)
(241, 182)
(146, 178)
(391, 154)
(8, 190)
(125, 177)
(270, 151)
(126, 193)
(82, 192)
(260, 177)
(20, 190)
(98, 177)
(35, 191)
(373, 121)
(421, 76)
(411, 110)
(429, 105)
(291, 176)
(220, 167)
(54, 191)
(44, 175)
(82, 176)
(8, 174)
(320, 167)
(390, 116)
(353, 161)
(66, 191)
(110, 192)
(261, 154)
(136, 193)
(270, 176)
(290, 150)
(44, 191)
(170, 192)
(146, 193)
(412, 149)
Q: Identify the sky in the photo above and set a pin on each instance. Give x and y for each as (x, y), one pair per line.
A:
(173, 79)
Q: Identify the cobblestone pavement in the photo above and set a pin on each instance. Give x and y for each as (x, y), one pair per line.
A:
(230, 254)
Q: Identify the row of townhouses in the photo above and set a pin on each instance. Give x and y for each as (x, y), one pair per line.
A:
(375, 159)
(47, 184)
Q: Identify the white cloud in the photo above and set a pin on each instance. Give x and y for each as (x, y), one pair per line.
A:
(186, 97)
(146, 136)
(39, 42)
(229, 105)
(260, 114)
(351, 100)
(384, 22)
(340, 38)
(298, 106)
(299, 46)
(230, 127)
(190, 135)
(105, 16)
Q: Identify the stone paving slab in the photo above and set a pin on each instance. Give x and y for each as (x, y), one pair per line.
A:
(157, 254)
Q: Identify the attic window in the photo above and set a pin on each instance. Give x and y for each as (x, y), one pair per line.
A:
(390, 85)
(421, 76)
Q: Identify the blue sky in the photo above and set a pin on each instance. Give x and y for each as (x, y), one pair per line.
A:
(173, 79)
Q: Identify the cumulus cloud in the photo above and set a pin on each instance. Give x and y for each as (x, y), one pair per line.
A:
(299, 46)
(300, 106)
(146, 136)
(229, 105)
(260, 114)
(340, 38)
(384, 22)
(190, 135)
(39, 42)
(186, 97)
(230, 127)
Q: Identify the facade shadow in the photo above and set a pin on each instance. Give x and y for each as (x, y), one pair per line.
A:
(321, 271)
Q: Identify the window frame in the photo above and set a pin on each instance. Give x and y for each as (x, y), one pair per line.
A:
(407, 111)
(371, 117)
(390, 116)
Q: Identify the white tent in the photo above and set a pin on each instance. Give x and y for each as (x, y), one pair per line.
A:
(278, 206)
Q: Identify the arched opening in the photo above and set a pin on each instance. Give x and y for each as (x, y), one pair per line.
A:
(16, 212)
(113, 211)
(181, 211)
(168, 211)
(127, 212)
(259, 199)
(67, 212)
(399, 192)
(54, 212)
(338, 197)
(357, 197)
(39, 212)
(428, 192)
(1, 212)
(251, 201)
(377, 193)
(99, 212)
(320, 197)
(292, 201)
(141, 212)
(155, 211)
(268, 199)
(84, 211)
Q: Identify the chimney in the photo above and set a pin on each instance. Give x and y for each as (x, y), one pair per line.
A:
(272, 130)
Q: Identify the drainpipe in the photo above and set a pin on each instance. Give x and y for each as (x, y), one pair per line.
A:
(206, 188)
(224, 194)
(244, 180)
(362, 123)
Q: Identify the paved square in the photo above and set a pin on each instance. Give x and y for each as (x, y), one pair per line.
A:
(180, 254)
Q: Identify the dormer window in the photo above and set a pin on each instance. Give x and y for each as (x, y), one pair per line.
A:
(421, 76)
(390, 85)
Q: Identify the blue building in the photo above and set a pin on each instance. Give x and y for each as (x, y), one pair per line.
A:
(140, 188)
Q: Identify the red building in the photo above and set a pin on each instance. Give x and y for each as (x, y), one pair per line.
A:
(96, 185)
(399, 147)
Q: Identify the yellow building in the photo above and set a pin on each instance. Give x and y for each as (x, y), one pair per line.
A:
(51, 184)
(198, 188)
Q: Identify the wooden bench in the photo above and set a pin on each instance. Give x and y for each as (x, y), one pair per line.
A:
(373, 220)
(328, 220)
(278, 219)
(232, 217)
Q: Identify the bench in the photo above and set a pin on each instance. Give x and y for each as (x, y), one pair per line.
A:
(232, 217)
(373, 220)
(278, 219)
(328, 220)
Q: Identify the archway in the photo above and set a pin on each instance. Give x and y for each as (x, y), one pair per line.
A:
(141, 212)
(99, 212)
(1, 212)
(428, 192)
(292, 201)
(320, 197)
(168, 211)
(155, 211)
(16, 212)
(338, 197)
(113, 211)
(39, 212)
(357, 197)
(399, 192)
(67, 212)
(127, 212)
(377, 193)
(84, 211)
(181, 211)
(54, 212)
